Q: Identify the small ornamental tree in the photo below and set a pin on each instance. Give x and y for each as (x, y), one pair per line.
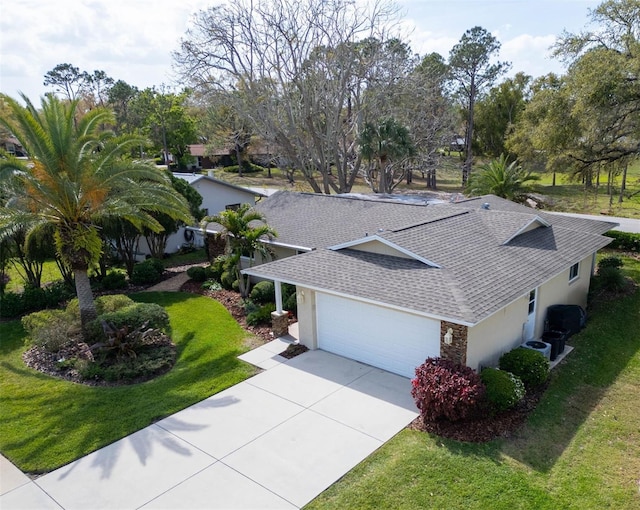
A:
(443, 389)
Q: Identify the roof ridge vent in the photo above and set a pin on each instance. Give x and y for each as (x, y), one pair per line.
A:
(414, 225)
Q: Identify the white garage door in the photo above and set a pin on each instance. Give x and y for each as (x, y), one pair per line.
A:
(387, 339)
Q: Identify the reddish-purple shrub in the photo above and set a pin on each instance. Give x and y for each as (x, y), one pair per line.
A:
(444, 389)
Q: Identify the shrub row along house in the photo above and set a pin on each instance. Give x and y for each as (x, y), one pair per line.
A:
(390, 282)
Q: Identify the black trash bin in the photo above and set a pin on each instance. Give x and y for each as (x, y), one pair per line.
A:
(557, 339)
(566, 317)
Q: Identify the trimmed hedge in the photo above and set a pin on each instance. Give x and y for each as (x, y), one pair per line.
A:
(529, 365)
(247, 168)
(625, 241)
(504, 389)
(14, 304)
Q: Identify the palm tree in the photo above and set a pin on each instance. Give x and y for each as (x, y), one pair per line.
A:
(243, 235)
(501, 178)
(78, 175)
(383, 143)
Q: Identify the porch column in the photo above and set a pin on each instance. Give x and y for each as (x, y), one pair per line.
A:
(278, 287)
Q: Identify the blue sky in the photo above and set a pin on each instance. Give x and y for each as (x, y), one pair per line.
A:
(133, 39)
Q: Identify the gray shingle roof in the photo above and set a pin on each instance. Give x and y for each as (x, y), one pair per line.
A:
(480, 271)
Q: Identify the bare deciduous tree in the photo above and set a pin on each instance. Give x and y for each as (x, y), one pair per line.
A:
(299, 70)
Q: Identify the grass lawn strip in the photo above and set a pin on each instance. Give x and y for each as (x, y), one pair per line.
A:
(580, 449)
(46, 422)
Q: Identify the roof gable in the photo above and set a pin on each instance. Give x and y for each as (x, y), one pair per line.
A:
(382, 246)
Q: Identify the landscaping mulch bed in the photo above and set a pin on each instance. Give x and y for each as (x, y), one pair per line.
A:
(293, 350)
(53, 363)
(484, 428)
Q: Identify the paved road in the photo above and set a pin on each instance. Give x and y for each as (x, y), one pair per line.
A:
(625, 224)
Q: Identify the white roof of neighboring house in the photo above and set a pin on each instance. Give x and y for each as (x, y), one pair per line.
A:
(192, 178)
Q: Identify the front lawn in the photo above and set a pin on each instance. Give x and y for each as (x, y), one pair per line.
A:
(46, 422)
(580, 449)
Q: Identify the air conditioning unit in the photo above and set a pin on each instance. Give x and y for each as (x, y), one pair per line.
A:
(542, 347)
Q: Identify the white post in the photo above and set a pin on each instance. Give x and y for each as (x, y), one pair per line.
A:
(278, 287)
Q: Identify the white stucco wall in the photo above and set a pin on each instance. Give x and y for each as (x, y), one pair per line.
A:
(502, 331)
(216, 197)
(307, 318)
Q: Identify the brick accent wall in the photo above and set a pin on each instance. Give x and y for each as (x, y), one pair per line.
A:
(457, 350)
(280, 323)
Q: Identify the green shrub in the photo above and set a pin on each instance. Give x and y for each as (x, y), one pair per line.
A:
(262, 315)
(288, 290)
(610, 262)
(235, 286)
(112, 303)
(443, 389)
(51, 329)
(212, 285)
(132, 316)
(611, 278)
(247, 168)
(197, 273)
(504, 389)
(226, 279)
(291, 304)
(147, 272)
(210, 274)
(156, 263)
(625, 241)
(37, 320)
(11, 305)
(104, 304)
(56, 293)
(34, 298)
(147, 363)
(250, 307)
(218, 267)
(263, 292)
(114, 280)
(529, 365)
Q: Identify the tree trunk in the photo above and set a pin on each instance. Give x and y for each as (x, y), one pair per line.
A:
(85, 298)
(623, 184)
(466, 168)
(239, 158)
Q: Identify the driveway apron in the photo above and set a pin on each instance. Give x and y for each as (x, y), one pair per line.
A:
(276, 440)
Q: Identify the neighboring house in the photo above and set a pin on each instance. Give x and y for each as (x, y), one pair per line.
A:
(384, 281)
(217, 196)
(203, 161)
(258, 152)
(13, 147)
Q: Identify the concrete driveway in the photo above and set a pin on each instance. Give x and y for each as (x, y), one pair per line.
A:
(276, 440)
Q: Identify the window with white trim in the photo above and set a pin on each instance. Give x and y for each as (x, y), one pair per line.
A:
(574, 271)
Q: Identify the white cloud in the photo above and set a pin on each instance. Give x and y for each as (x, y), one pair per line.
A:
(530, 54)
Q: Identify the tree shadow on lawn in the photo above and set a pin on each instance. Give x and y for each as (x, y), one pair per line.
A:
(577, 386)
